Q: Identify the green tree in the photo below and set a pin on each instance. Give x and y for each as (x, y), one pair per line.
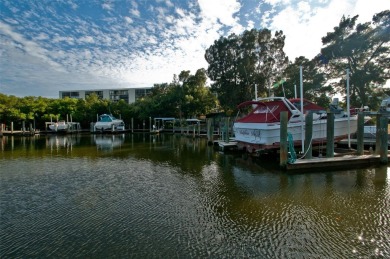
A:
(239, 62)
(364, 50)
(313, 80)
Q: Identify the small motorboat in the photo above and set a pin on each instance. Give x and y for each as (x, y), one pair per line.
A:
(108, 122)
(59, 126)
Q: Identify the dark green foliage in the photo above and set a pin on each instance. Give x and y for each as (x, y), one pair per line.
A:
(238, 62)
(363, 49)
(314, 81)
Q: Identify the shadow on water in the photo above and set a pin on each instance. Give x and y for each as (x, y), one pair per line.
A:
(153, 196)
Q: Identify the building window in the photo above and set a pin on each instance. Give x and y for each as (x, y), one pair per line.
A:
(116, 95)
(139, 93)
(98, 93)
(70, 94)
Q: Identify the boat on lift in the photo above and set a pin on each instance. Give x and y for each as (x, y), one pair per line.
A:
(259, 129)
(107, 122)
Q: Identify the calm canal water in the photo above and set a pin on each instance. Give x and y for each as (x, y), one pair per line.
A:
(166, 196)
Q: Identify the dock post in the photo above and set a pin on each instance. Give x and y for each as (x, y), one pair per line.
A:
(378, 137)
(194, 131)
(283, 139)
(330, 135)
(309, 135)
(360, 134)
(383, 137)
(12, 127)
(227, 129)
(209, 131)
(132, 125)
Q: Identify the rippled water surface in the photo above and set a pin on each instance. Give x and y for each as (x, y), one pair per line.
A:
(166, 196)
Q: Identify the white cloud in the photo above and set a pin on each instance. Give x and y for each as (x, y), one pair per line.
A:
(135, 12)
(87, 39)
(107, 6)
(128, 20)
(221, 10)
(306, 25)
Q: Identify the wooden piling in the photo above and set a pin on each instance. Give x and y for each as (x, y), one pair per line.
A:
(283, 139)
(210, 130)
(330, 135)
(227, 131)
(378, 137)
(383, 137)
(360, 134)
(309, 135)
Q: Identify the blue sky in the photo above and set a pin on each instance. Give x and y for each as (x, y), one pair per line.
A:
(51, 45)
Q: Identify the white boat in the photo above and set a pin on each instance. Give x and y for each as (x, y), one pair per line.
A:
(59, 126)
(107, 122)
(259, 130)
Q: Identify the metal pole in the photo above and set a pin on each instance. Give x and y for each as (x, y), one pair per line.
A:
(295, 91)
(255, 92)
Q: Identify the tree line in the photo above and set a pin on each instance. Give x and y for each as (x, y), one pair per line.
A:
(236, 64)
(186, 97)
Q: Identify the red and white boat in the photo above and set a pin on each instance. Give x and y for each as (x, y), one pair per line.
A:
(259, 130)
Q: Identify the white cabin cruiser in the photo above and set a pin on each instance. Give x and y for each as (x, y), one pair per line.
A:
(259, 130)
(108, 122)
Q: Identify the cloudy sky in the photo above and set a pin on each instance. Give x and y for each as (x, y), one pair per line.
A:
(52, 45)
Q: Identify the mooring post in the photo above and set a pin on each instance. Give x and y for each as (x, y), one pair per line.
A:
(12, 127)
(283, 139)
(194, 131)
(209, 131)
(309, 135)
(378, 137)
(383, 133)
(360, 134)
(132, 125)
(227, 130)
(330, 135)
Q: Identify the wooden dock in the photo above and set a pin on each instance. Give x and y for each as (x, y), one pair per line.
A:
(225, 146)
(333, 163)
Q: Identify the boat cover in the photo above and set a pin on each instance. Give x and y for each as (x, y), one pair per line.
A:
(264, 112)
(269, 112)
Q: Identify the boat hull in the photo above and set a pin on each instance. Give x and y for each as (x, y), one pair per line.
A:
(255, 137)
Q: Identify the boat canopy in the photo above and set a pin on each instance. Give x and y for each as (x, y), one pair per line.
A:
(307, 105)
(264, 112)
(268, 111)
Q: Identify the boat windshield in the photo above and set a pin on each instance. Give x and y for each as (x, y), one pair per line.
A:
(105, 118)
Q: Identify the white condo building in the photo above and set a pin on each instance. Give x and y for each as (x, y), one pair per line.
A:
(129, 95)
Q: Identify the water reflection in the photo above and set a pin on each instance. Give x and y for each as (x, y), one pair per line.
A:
(62, 141)
(108, 142)
(154, 196)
